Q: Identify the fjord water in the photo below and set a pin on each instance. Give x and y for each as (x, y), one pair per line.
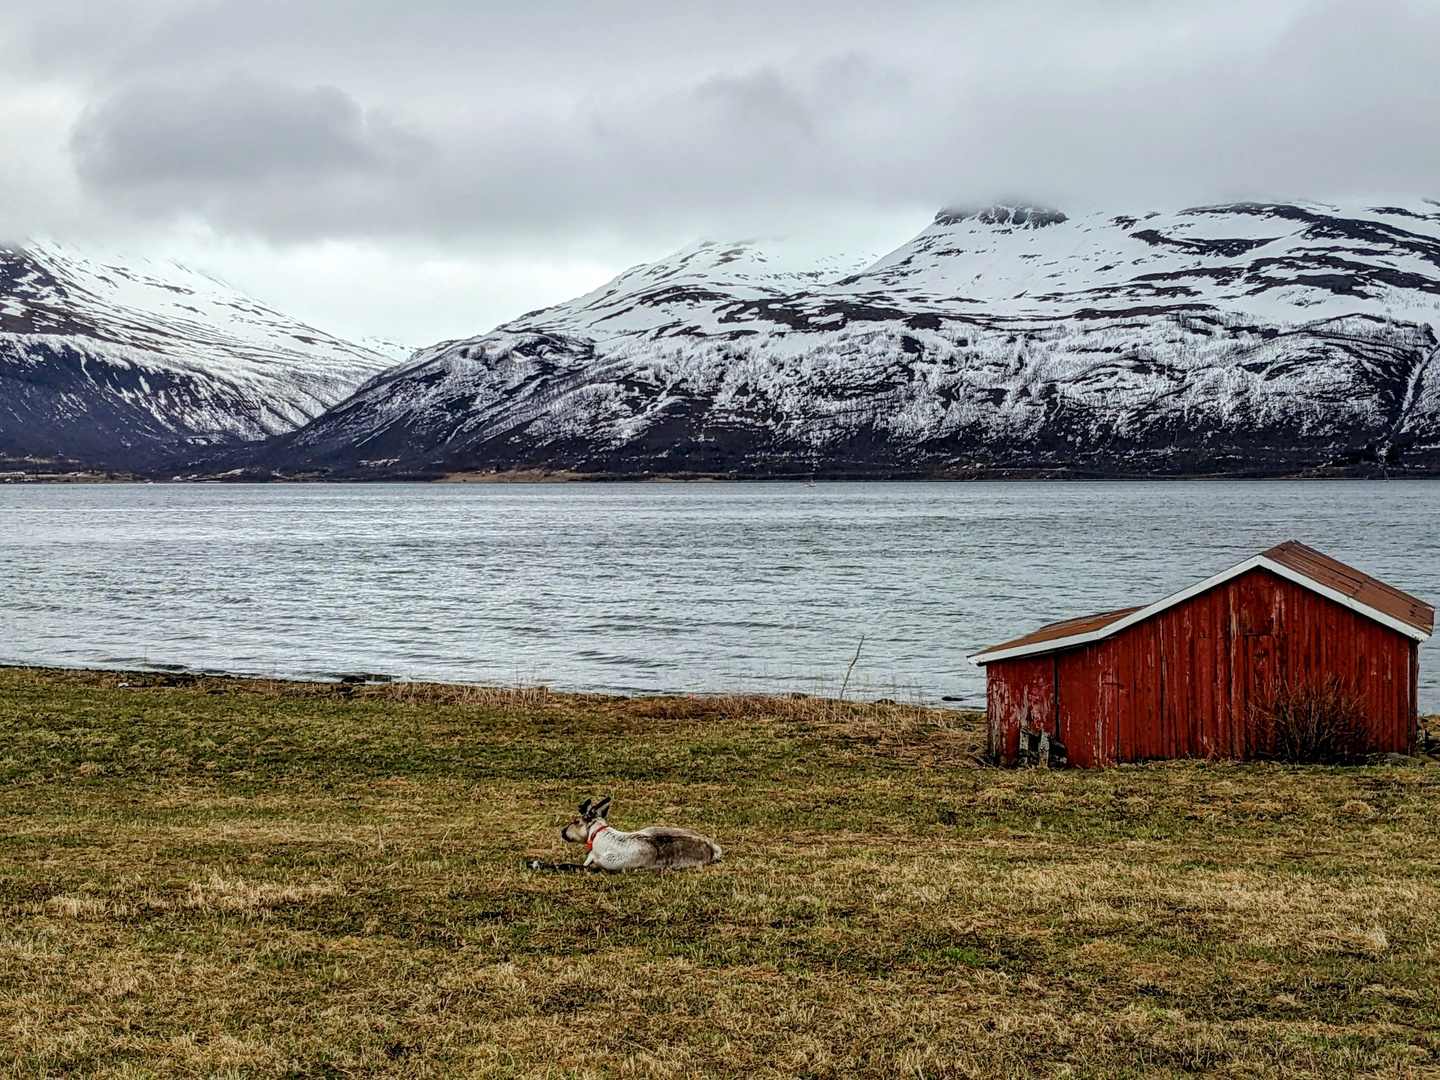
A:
(640, 588)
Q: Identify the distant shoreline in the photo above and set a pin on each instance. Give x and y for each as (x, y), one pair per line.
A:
(543, 476)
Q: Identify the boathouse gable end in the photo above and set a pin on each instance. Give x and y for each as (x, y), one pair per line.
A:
(1181, 678)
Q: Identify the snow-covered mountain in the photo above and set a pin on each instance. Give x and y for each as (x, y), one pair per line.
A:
(1245, 338)
(129, 365)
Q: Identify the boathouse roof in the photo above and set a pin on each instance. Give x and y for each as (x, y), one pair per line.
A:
(1291, 560)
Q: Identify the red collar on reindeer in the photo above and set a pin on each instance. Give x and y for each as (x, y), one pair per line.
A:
(590, 844)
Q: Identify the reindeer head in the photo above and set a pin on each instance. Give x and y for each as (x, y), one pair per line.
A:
(578, 831)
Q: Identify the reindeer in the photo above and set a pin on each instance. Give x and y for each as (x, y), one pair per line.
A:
(656, 848)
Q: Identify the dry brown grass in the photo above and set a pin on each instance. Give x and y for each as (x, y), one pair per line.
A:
(234, 879)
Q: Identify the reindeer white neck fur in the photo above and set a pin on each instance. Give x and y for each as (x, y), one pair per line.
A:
(656, 848)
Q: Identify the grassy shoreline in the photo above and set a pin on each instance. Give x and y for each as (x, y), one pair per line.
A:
(232, 877)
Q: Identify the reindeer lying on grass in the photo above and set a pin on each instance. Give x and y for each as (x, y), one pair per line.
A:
(656, 848)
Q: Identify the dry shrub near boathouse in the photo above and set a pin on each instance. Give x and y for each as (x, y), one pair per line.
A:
(1309, 724)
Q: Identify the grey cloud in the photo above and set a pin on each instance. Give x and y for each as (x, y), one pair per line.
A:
(647, 118)
(1337, 104)
(761, 105)
(302, 163)
(217, 145)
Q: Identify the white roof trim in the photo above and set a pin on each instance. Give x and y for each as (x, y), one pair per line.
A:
(988, 656)
(1343, 600)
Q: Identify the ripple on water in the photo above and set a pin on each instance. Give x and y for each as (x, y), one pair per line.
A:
(637, 588)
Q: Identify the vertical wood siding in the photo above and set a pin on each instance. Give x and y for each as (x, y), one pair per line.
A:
(1089, 703)
(1184, 683)
(1025, 697)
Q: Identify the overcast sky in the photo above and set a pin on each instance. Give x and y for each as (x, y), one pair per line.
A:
(423, 170)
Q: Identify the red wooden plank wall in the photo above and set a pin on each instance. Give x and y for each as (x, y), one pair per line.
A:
(1182, 683)
(1024, 696)
(1089, 704)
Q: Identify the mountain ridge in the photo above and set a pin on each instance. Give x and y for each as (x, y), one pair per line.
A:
(1236, 339)
(135, 365)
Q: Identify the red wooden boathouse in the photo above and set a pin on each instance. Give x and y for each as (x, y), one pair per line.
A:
(1179, 678)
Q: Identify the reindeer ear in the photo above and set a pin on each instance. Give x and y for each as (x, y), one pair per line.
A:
(584, 807)
(602, 807)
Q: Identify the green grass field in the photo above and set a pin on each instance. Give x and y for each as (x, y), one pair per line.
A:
(234, 878)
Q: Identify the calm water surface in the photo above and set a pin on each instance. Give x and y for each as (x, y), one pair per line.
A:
(645, 587)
